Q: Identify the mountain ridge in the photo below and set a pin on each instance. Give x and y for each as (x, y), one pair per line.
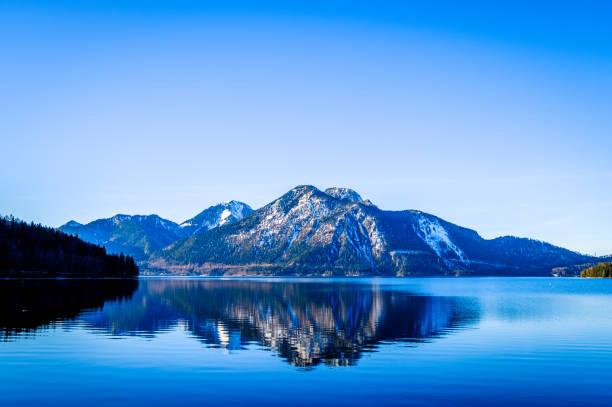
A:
(141, 235)
(135, 235)
(308, 231)
(311, 232)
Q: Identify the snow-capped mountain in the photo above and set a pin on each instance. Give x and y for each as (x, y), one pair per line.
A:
(216, 215)
(335, 232)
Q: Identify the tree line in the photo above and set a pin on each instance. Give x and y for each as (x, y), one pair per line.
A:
(33, 249)
(600, 270)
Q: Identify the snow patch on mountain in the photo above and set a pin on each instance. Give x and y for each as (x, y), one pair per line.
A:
(216, 215)
(436, 237)
(236, 209)
(225, 216)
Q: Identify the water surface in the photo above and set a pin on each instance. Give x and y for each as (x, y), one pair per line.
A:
(195, 341)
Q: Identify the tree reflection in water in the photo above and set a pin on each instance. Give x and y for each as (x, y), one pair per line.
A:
(29, 305)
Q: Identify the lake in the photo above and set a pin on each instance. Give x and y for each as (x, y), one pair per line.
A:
(306, 342)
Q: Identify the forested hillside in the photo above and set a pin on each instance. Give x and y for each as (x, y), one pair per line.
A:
(29, 249)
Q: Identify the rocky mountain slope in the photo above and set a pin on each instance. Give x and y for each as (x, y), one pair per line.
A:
(335, 232)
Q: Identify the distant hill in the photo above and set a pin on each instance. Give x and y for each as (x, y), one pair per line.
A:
(141, 235)
(602, 270)
(334, 232)
(34, 250)
(136, 235)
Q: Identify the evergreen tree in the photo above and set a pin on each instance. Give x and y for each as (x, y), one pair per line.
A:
(600, 270)
(30, 249)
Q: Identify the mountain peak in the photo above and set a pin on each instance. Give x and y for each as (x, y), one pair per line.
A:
(344, 193)
(234, 204)
(71, 224)
(234, 210)
(216, 215)
(300, 192)
(302, 189)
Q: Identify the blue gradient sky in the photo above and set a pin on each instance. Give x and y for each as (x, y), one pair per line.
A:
(496, 118)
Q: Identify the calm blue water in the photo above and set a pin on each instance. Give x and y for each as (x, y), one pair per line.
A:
(345, 342)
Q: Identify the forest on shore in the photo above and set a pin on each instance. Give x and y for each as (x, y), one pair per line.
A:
(28, 249)
(601, 270)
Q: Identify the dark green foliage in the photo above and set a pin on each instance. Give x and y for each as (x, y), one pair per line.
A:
(29, 249)
(601, 270)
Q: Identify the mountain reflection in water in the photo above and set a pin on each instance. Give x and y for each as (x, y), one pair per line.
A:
(304, 322)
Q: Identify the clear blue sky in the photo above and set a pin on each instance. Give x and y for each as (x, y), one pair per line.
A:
(497, 118)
